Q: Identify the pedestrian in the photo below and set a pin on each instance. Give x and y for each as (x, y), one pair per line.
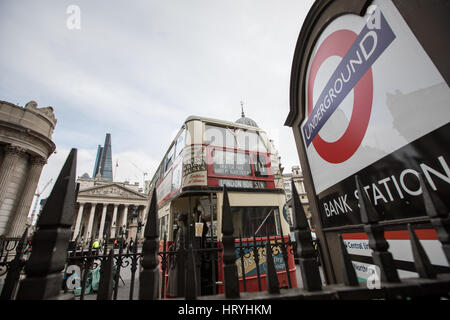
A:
(96, 245)
(175, 288)
(131, 246)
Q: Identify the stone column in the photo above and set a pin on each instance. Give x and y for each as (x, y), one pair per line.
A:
(11, 155)
(133, 226)
(18, 221)
(78, 223)
(124, 217)
(90, 223)
(139, 213)
(102, 222)
(113, 222)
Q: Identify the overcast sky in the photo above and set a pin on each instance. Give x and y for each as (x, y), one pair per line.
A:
(138, 69)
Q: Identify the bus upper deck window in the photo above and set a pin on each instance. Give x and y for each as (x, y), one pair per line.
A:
(234, 138)
(219, 136)
(180, 142)
(250, 140)
(169, 158)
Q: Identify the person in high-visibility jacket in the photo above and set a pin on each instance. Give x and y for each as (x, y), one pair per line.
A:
(96, 245)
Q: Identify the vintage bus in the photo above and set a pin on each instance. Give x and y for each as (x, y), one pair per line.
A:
(205, 155)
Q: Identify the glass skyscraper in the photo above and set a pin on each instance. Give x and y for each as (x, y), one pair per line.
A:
(103, 161)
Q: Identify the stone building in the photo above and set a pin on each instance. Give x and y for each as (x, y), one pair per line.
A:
(25, 145)
(297, 176)
(106, 207)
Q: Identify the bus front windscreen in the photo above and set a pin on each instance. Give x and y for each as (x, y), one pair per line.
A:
(255, 221)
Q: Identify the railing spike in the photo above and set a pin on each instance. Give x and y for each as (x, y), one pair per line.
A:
(423, 265)
(242, 254)
(348, 271)
(87, 267)
(229, 255)
(256, 259)
(105, 287)
(118, 264)
(191, 280)
(273, 286)
(164, 256)
(285, 258)
(307, 260)
(134, 264)
(149, 276)
(51, 240)
(299, 216)
(434, 206)
(439, 216)
(181, 258)
(381, 256)
(367, 210)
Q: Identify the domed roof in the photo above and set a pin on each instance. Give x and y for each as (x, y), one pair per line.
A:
(85, 176)
(244, 120)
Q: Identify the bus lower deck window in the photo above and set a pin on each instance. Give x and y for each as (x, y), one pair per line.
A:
(258, 221)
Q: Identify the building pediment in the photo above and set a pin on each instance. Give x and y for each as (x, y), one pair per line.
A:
(112, 191)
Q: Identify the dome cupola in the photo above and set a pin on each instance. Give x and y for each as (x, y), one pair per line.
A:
(245, 120)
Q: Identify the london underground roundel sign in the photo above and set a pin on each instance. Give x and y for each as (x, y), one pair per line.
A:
(338, 44)
(376, 106)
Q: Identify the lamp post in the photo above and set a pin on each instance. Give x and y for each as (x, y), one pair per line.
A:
(134, 216)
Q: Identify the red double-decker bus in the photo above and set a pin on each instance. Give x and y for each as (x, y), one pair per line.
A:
(206, 155)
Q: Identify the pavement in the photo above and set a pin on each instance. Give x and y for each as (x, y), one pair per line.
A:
(123, 293)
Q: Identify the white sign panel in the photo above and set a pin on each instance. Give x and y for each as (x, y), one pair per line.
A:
(371, 89)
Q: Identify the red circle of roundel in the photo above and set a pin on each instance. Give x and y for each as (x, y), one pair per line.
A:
(337, 44)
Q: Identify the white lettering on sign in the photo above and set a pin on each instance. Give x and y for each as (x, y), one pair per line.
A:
(242, 183)
(390, 189)
(374, 36)
(336, 207)
(358, 245)
(397, 191)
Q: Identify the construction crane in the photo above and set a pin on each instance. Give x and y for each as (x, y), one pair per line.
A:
(143, 173)
(38, 194)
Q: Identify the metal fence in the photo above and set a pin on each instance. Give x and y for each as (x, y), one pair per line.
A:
(83, 261)
(8, 247)
(46, 271)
